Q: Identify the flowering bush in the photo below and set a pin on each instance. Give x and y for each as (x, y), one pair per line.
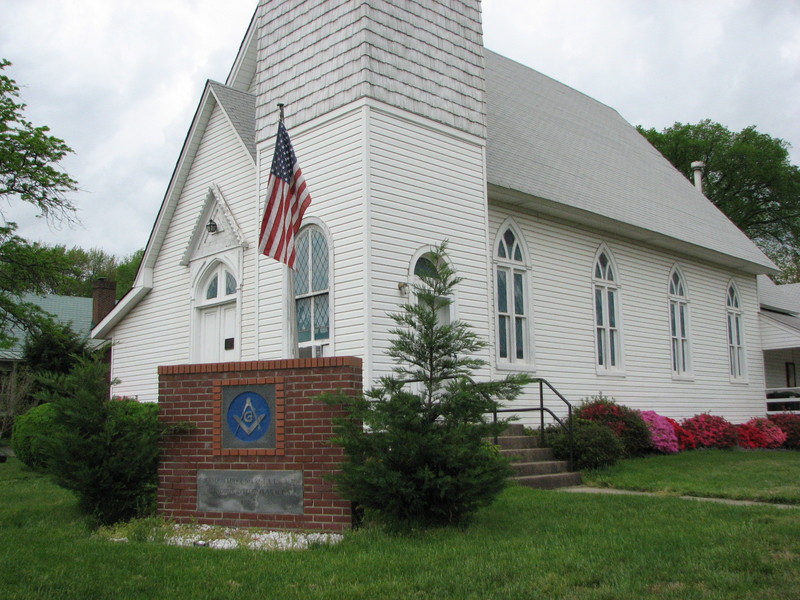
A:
(750, 436)
(711, 431)
(774, 437)
(686, 438)
(625, 422)
(790, 425)
(662, 434)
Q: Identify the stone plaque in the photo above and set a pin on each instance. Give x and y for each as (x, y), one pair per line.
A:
(248, 416)
(260, 492)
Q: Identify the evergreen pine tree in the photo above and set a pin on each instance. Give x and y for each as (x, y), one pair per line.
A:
(418, 445)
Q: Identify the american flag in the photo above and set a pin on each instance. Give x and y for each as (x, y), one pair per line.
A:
(287, 200)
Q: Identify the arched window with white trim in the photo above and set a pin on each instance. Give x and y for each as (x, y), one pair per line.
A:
(217, 317)
(312, 291)
(608, 326)
(735, 331)
(512, 298)
(425, 266)
(679, 323)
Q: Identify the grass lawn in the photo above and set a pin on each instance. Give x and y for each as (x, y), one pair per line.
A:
(766, 475)
(529, 544)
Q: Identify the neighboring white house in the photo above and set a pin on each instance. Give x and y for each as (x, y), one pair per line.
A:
(587, 258)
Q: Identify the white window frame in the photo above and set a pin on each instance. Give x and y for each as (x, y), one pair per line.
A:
(607, 312)
(315, 346)
(679, 325)
(512, 265)
(734, 324)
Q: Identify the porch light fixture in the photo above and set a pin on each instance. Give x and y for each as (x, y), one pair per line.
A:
(211, 226)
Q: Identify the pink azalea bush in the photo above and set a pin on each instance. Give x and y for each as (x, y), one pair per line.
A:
(662, 434)
(774, 436)
(711, 431)
(750, 437)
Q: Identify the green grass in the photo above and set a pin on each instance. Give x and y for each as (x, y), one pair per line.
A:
(765, 475)
(529, 544)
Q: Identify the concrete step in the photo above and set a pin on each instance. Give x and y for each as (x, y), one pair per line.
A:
(542, 467)
(517, 441)
(527, 454)
(515, 429)
(549, 481)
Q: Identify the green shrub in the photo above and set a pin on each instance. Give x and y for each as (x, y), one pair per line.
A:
(595, 444)
(30, 434)
(625, 422)
(424, 460)
(105, 450)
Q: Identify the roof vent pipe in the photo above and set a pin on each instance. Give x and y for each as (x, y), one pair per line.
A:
(697, 167)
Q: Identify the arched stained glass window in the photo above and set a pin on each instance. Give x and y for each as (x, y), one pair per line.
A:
(678, 323)
(608, 337)
(311, 286)
(735, 326)
(513, 338)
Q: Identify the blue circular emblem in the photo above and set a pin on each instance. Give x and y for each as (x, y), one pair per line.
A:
(249, 417)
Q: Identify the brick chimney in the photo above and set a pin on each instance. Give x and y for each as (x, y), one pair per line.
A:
(104, 297)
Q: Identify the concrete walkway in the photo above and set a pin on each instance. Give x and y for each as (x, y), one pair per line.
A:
(585, 489)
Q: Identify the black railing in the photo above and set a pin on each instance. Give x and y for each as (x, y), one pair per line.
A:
(542, 409)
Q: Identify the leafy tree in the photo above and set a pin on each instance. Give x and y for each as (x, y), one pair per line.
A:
(90, 265)
(748, 176)
(423, 458)
(29, 173)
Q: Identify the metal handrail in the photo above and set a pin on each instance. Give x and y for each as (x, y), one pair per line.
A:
(541, 409)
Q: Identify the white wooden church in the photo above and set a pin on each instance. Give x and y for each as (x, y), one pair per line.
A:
(587, 258)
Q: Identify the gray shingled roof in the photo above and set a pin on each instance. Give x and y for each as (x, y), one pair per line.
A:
(573, 156)
(782, 298)
(241, 110)
(69, 310)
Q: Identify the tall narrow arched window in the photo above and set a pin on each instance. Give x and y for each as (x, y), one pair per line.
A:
(608, 336)
(735, 333)
(217, 315)
(312, 290)
(678, 323)
(426, 267)
(513, 338)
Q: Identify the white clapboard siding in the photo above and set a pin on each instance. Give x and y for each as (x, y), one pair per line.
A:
(331, 156)
(158, 330)
(562, 258)
(425, 186)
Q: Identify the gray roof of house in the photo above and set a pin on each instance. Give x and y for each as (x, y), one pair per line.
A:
(241, 110)
(575, 157)
(781, 298)
(69, 310)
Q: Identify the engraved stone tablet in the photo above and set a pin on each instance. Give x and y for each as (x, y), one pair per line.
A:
(260, 492)
(248, 416)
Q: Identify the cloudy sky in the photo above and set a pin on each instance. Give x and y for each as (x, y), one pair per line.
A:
(119, 81)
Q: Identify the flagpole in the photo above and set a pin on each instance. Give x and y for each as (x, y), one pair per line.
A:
(287, 198)
(290, 308)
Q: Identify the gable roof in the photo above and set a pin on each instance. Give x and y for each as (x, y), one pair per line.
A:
(239, 109)
(574, 157)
